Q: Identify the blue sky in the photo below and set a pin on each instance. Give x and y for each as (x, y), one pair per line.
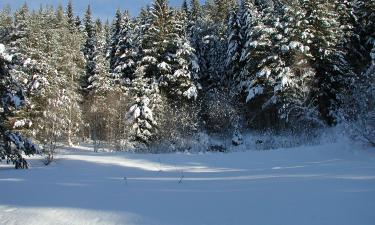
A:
(101, 8)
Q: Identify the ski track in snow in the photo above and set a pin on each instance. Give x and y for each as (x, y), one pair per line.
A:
(331, 184)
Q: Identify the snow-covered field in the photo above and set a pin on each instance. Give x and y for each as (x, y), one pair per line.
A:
(331, 184)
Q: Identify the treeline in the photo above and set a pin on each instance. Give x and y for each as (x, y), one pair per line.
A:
(169, 72)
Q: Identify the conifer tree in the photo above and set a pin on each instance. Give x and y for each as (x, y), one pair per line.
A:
(195, 9)
(70, 14)
(52, 40)
(21, 22)
(6, 22)
(166, 67)
(18, 82)
(185, 7)
(126, 51)
(233, 56)
(91, 52)
(115, 38)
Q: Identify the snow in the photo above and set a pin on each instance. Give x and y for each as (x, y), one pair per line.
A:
(372, 53)
(22, 123)
(254, 91)
(15, 100)
(4, 54)
(265, 72)
(181, 73)
(35, 85)
(294, 44)
(192, 92)
(133, 114)
(284, 48)
(147, 112)
(27, 62)
(2, 48)
(164, 66)
(322, 185)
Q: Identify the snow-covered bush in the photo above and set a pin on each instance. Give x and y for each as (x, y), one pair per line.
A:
(359, 110)
(220, 112)
(178, 123)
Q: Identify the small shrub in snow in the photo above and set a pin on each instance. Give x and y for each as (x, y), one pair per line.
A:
(219, 112)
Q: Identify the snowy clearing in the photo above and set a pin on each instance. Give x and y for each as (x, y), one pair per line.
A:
(323, 185)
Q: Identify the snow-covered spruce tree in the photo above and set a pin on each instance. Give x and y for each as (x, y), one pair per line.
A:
(210, 34)
(167, 68)
(249, 19)
(70, 15)
(117, 27)
(342, 68)
(284, 43)
(90, 52)
(6, 22)
(195, 10)
(126, 52)
(325, 28)
(185, 8)
(262, 63)
(167, 54)
(364, 29)
(107, 37)
(179, 67)
(140, 116)
(234, 49)
(31, 44)
(295, 74)
(19, 30)
(194, 31)
(223, 8)
(78, 23)
(16, 84)
(359, 105)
